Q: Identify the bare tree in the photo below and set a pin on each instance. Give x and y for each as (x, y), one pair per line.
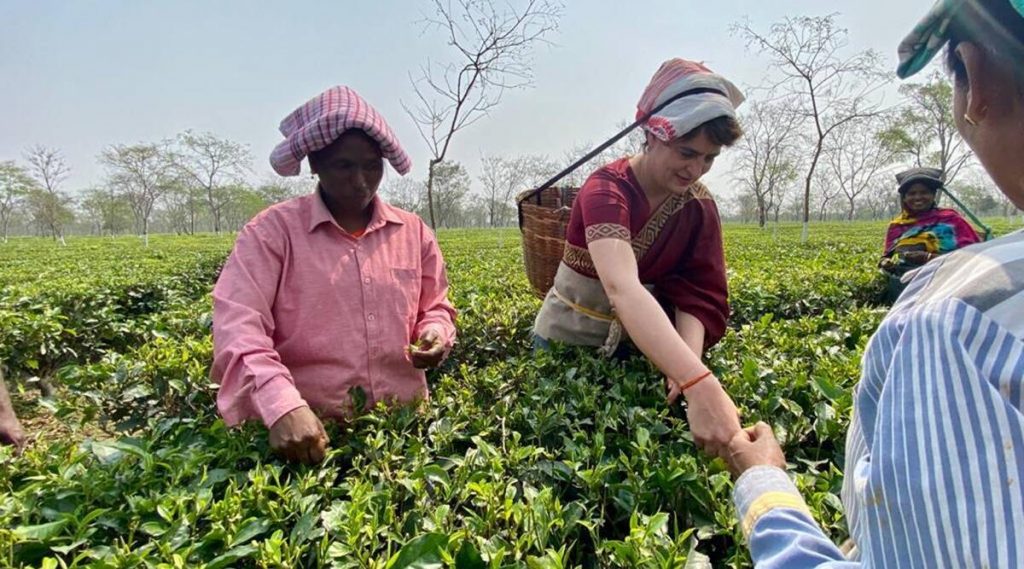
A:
(827, 192)
(142, 174)
(212, 165)
(744, 205)
(48, 167)
(924, 131)
(181, 206)
(108, 212)
(405, 193)
(452, 187)
(503, 178)
(183, 203)
(857, 157)
(15, 186)
(782, 194)
(277, 189)
(766, 163)
(51, 212)
(881, 199)
(628, 146)
(493, 46)
(822, 85)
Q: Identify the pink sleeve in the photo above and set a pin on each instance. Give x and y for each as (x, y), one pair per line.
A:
(253, 381)
(435, 311)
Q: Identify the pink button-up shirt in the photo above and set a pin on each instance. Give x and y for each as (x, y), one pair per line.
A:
(303, 311)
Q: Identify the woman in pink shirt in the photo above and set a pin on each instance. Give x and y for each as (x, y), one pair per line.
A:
(323, 294)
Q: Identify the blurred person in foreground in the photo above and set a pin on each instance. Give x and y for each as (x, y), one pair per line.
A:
(935, 453)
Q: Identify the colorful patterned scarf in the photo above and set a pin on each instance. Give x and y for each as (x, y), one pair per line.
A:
(938, 231)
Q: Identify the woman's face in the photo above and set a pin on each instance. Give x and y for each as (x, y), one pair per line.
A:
(677, 164)
(919, 198)
(350, 170)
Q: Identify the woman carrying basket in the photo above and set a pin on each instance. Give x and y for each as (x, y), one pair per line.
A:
(643, 253)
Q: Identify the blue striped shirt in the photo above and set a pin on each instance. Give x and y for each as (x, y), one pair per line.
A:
(935, 452)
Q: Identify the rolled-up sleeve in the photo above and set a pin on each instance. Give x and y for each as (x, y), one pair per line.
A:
(435, 311)
(253, 380)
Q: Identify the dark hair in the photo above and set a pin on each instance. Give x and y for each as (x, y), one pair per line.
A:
(992, 25)
(723, 131)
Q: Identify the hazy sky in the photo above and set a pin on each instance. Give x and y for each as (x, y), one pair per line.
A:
(81, 75)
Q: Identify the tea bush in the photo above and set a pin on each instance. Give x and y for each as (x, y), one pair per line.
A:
(558, 459)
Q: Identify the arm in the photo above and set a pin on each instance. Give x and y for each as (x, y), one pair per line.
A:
(252, 378)
(249, 370)
(941, 484)
(11, 432)
(776, 521)
(698, 287)
(691, 330)
(945, 442)
(713, 417)
(435, 320)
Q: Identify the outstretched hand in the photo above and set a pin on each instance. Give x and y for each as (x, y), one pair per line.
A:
(754, 446)
(712, 415)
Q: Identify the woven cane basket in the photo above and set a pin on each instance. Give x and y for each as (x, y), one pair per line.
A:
(543, 217)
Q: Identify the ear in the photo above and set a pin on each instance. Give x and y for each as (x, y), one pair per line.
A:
(648, 138)
(979, 97)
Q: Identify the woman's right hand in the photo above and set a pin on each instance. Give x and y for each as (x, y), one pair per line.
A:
(299, 436)
(712, 415)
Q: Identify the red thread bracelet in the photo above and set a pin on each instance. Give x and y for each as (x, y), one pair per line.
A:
(695, 381)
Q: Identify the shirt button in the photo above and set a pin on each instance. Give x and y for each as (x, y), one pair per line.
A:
(370, 317)
(366, 280)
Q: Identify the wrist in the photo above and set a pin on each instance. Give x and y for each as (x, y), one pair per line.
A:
(702, 388)
(679, 380)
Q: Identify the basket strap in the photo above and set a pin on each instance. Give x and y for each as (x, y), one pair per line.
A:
(554, 179)
(604, 146)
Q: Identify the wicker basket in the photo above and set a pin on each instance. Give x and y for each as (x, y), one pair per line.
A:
(543, 217)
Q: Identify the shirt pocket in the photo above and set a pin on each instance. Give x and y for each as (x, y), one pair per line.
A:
(406, 283)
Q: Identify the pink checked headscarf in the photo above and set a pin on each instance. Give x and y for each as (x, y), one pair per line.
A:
(683, 115)
(323, 119)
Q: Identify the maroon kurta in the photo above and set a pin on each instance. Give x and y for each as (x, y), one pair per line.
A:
(678, 246)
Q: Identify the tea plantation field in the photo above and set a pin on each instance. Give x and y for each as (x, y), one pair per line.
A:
(550, 461)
